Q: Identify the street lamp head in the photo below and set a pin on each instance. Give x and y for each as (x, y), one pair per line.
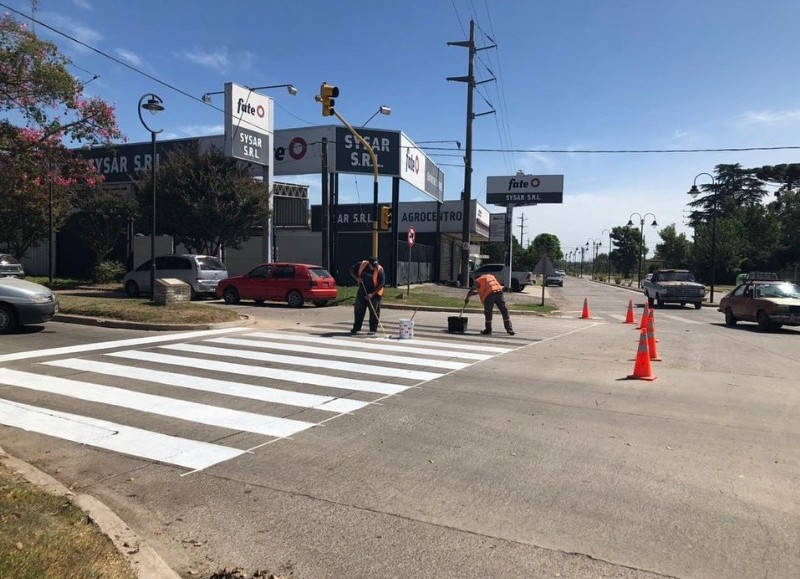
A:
(630, 223)
(654, 224)
(384, 110)
(206, 98)
(154, 104)
(694, 192)
(292, 89)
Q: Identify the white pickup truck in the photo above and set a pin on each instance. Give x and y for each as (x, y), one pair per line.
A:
(676, 286)
(519, 279)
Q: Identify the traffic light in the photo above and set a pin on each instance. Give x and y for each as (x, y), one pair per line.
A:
(386, 217)
(326, 95)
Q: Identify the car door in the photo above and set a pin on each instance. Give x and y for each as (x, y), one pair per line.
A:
(255, 284)
(282, 281)
(741, 302)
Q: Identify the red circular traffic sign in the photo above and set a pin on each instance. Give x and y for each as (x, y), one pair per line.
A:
(411, 237)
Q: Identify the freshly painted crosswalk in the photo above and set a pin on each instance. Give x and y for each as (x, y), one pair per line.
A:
(288, 382)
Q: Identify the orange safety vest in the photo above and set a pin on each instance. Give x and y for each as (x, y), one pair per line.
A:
(375, 273)
(487, 284)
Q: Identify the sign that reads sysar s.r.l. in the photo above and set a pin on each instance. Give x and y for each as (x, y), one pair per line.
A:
(248, 125)
(525, 189)
(352, 156)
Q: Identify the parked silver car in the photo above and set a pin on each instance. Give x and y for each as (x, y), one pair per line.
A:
(10, 267)
(23, 302)
(201, 272)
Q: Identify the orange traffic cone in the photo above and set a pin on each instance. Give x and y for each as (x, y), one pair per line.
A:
(651, 338)
(629, 319)
(642, 369)
(643, 321)
(585, 314)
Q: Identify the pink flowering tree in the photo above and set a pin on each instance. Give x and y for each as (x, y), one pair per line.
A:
(44, 113)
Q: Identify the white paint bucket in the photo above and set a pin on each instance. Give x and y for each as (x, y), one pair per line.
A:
(406, 329)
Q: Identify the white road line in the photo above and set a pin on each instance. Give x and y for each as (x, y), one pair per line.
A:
(299, 361)
(303, 400)
(71, 350)
(677, 319)
(190, 411)
(191, 454)
(395, 345)
(365, 357)
(259, 371)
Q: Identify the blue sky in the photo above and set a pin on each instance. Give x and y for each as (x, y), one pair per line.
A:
(571, 75)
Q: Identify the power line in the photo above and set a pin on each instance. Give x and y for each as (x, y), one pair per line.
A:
(628, 151)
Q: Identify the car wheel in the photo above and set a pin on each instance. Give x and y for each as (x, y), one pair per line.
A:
(295, 299)
(8, 319)
(698, 305)
(230, 295)
(764, 325)
(132, 289)
(515, 286)
(320, 303)
(730, 319)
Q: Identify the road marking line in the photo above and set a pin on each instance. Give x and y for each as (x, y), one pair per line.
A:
(191, 411)
(678, 319)
(373, 357)
(299, 361)
(137, 442)
(115, 344)
(394, 345)
(261, 372)
(263, 393)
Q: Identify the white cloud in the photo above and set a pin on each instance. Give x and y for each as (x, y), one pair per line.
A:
(129, 57)
(218, 60)
(77, 30)
(770, 117)
(197, 131)
(82, 4)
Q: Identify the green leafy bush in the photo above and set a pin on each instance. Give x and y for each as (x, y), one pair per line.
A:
(108, 272)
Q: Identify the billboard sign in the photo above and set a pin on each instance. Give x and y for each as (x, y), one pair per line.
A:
(353, 157)
(525, 189)
(299, 151)
(248, 124)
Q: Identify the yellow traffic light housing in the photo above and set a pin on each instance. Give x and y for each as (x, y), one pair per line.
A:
(386, 217)
(326, 95)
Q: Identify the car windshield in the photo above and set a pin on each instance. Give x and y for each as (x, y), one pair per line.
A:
(676, 276)
(8, 260)
(208, 263)
(778, 290)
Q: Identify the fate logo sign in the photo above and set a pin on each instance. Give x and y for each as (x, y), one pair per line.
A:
(412, 237)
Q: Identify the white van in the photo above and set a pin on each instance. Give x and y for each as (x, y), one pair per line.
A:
(202, 272)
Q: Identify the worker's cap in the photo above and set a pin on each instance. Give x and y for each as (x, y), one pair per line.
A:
(373, 261)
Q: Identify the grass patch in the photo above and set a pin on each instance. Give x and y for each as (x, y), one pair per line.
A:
(45, 535)
(142, 310)
(421, 297)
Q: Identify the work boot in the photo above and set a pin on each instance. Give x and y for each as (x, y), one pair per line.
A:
(488, 330)
(509, 329)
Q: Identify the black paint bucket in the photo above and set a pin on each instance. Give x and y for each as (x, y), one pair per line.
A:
(456, 324)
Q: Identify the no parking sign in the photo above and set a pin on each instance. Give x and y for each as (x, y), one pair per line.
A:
(411, 237)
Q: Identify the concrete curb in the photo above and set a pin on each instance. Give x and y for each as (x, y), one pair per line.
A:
(125, 325)
(145, 561)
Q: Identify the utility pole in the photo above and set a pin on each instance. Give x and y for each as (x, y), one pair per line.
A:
(521, 229)
(467, 195)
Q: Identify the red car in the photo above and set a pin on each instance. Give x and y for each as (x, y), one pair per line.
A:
(294, 283)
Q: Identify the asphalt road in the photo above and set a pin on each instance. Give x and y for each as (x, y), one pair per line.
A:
(524, 456)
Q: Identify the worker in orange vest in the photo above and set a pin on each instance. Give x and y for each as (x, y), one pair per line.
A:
(491, 293)
(371, 278)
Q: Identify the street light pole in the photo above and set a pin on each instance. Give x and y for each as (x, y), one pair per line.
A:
(155, 105)
(595, 244)
(609, 253)
(641, 239)
(694, 192)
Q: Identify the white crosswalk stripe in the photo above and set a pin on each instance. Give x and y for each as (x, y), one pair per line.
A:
(280, 373)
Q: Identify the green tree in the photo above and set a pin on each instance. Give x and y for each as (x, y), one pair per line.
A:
(204, 200)
(35, 165)
(101, 217)
(627, 247)
(546, 244)
(675, 250)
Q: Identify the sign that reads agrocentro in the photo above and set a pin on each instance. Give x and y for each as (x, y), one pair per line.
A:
(525, 189)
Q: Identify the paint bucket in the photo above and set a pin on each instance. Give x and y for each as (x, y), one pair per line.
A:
(406, 329)
(456, 324)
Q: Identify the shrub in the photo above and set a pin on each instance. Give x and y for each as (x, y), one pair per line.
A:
(108, 272)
